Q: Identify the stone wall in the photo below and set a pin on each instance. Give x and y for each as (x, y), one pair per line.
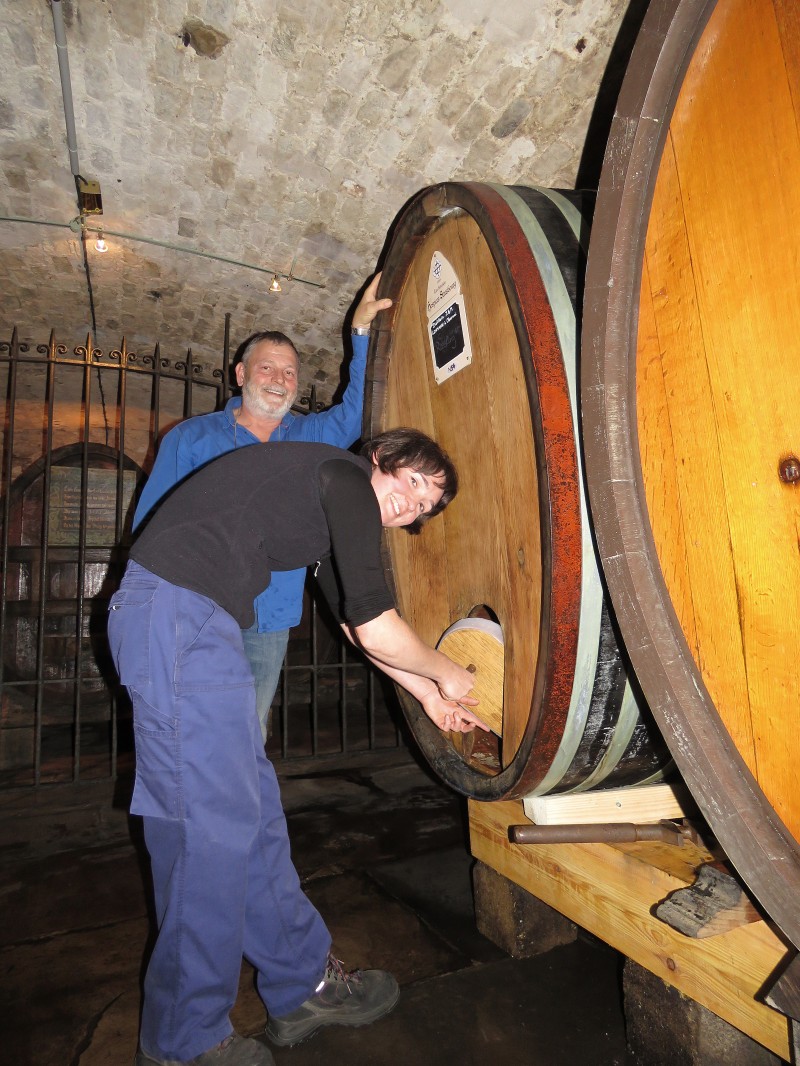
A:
(283, 135)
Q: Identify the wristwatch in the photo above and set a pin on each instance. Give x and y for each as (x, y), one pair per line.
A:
(360, 331)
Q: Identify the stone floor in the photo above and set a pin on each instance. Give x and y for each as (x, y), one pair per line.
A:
(382, 850)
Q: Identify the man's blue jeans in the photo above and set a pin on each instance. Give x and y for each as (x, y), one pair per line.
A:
(265, 652)
(224, 881)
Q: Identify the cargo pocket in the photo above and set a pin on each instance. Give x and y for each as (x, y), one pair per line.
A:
(129, 612)
(157, 790)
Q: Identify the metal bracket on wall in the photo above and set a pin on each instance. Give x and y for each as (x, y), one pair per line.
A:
(89, 197)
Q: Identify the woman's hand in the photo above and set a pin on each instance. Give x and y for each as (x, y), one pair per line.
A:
(440, 685)
(451, 717)
(454, 682)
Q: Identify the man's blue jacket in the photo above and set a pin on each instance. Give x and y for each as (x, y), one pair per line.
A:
(197, 441)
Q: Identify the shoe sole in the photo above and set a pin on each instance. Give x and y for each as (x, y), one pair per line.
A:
(319, 1023)
(145, 1060)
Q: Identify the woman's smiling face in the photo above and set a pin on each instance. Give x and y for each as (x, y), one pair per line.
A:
(404, 495)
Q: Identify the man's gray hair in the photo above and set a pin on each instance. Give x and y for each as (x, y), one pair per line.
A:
(272, 335)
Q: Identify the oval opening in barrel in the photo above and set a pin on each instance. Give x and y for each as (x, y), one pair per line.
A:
(479, 351)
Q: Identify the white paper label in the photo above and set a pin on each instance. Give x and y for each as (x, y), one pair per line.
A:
(448, 332)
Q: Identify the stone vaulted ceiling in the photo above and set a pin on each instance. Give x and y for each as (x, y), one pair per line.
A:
(284, 136)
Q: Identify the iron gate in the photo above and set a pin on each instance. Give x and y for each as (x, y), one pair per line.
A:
(80, 432)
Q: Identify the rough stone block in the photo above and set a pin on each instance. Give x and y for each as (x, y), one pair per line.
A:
(515, 920)
(666, 1028)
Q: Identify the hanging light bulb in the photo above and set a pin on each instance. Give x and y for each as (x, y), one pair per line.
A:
(275, 285)
(100, 244)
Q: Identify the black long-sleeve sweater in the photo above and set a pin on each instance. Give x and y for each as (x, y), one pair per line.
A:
(223, 530)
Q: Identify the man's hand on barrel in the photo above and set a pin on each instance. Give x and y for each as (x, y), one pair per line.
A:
(369, 305)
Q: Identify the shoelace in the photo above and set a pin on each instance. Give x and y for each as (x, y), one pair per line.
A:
(220, 1048)
(335, 969)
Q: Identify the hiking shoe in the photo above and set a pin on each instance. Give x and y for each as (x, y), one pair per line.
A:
(339, 999)
(234, 1050)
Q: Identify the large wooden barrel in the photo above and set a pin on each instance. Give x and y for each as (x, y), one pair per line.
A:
(479, 351)
(691, 406)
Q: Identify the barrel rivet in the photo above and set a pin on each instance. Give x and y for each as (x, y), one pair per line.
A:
(789, 469)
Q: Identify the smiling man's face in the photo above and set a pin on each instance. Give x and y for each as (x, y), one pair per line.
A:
(268, 379)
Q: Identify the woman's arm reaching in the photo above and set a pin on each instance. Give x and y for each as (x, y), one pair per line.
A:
(440, 685)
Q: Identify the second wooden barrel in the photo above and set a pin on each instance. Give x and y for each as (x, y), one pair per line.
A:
(690, 398)
(479, 351)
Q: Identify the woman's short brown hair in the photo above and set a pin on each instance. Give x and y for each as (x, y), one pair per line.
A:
(413, 449)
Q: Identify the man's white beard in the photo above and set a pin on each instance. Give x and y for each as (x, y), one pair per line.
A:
(256, 401)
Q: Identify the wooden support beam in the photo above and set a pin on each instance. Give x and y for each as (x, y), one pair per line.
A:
(611, 890)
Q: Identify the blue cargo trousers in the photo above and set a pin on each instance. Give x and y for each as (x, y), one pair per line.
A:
(224, 882)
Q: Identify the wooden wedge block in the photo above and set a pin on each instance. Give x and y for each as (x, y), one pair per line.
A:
(714, 904)
(645, 803)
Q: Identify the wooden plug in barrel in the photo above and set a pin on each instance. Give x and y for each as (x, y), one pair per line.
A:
(477, 645)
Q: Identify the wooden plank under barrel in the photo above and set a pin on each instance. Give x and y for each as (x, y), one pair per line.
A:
(691, 402)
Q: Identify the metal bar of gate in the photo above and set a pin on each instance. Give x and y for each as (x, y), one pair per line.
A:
(187, 386)
(226, 361)
(80, 585)
(156, 392)
(39, 588)
(8, 470)
(119, 523)
(42, 588)
(314, 680)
